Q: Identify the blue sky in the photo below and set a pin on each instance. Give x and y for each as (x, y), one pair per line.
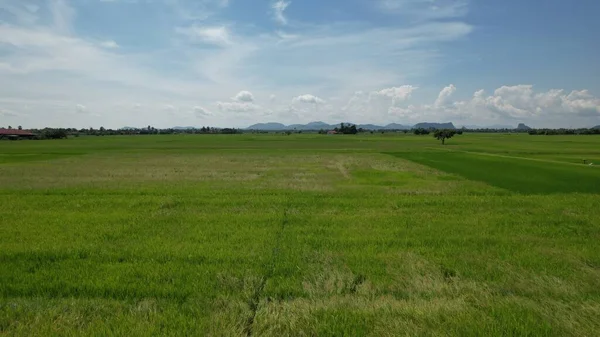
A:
(82, 63)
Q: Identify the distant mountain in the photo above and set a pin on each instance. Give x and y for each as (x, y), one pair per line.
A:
(500, 126)
(315, 126)
(523, 127)
(129, 128)
(370, 127)
(267, 127)
(311, 126)
(183, 128)
(596, 127)
(434, 126)
(491, 127)
(394, 126)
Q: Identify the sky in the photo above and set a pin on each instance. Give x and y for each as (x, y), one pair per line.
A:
(232, 63)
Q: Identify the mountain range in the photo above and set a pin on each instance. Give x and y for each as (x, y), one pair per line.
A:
(312, 126)
(315, 126)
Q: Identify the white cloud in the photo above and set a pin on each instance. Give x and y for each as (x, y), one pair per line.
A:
(22, 13)
(330, 59)
(286, 36)
(45, 64)
(521, 101)
(507, 104)
(397, 94)
(201, 112)
(445, 97)
(240, 103)
(279, 8)
(62, 15)
(80, 108)
(418, 10)
(109, 44)
(244, 96)
(237, 106)
(30, 51)
(311, 99)
(378, 105)
(216, 35)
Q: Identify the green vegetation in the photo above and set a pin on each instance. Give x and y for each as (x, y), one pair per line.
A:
(444, 134)
(513, 174)
(273, 235)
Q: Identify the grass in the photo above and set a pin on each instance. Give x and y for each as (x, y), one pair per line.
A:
(521, 175)
(303, 235)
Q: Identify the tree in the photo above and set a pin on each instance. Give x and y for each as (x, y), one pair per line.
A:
(10, 127)
(20, 127)
(347, 129)
(55, 134)
(443, 135)
(421, 131)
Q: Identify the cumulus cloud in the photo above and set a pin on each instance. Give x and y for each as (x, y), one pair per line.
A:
(216, 35)
(80, 108)
(241, 102)
(507, 103)
(397, 94)
(201, 112)
(237, 106)
(521, 101)
(311, 99)
(279, 8)
(379, 105)
(445, 97)
(244, 96)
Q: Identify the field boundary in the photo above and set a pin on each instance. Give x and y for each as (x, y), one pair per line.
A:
(511, 157)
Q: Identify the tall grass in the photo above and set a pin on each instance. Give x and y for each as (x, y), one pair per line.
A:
(301, 235)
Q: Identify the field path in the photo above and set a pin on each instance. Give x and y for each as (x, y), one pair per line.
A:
(255, 299)
(342, 168)
(512, 157)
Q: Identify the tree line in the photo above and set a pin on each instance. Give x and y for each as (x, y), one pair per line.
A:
(553, 132)
(61, 133)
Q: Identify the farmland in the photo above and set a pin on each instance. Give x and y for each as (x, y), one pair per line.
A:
(273, 235)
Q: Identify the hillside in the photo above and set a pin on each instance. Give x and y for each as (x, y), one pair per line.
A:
(523, 127)
(267, 126)
(434, 126)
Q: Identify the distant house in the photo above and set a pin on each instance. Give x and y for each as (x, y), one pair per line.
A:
(15, 134)
(332, 132)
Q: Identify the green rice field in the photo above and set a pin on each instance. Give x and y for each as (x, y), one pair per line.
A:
(301, 235)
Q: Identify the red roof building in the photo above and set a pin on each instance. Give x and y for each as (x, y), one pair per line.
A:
(15, 133)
